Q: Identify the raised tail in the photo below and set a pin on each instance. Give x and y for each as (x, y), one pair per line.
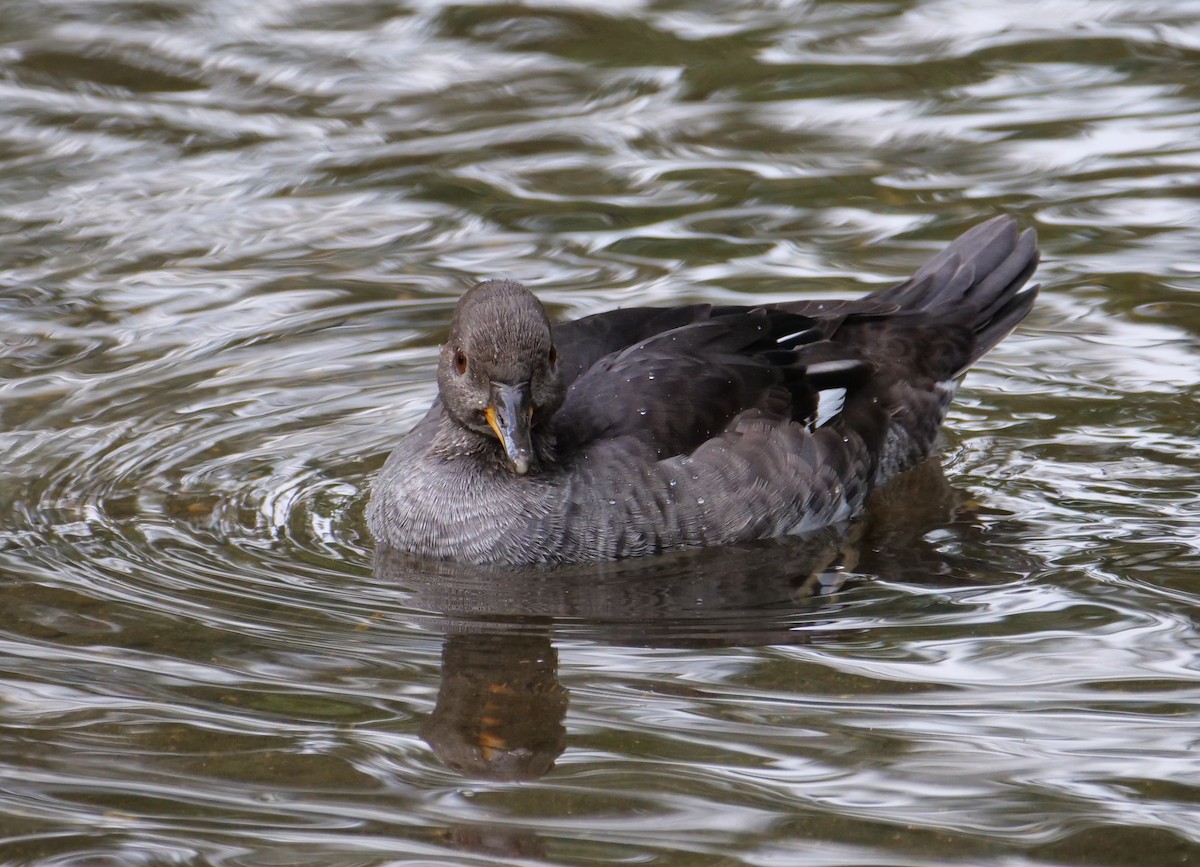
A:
(977, 281)
(943, 319)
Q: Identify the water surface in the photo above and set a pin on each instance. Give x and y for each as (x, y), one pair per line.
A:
(231, 237)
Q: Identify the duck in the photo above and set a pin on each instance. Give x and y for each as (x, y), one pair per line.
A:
(642, 430)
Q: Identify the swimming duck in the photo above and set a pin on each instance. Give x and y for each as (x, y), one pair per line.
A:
(646, 429)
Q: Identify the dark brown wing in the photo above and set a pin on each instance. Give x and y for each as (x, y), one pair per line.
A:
(675, 378)
(583, 342)
(681, 387)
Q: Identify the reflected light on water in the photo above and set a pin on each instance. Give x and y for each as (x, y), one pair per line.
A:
(232, 239)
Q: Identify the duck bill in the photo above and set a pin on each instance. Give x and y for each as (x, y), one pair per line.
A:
(509, 417)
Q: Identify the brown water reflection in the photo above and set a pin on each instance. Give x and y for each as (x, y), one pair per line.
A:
(501, 709)
(231, 235)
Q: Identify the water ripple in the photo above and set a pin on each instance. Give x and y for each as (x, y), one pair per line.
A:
(232, 236)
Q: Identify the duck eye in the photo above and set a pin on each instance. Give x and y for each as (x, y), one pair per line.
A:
(460, 361)
(553, 355)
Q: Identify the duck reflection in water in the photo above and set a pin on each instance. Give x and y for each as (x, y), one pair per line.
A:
(501, 710)
(739, 444)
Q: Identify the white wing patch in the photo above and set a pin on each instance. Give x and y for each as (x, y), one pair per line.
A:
(843, 365)
(829, 403)
(830, 400)
(796, 335)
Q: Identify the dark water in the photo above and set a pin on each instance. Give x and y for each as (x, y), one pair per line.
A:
(231, 234)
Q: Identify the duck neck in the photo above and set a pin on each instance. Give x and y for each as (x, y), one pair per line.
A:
(452, 441)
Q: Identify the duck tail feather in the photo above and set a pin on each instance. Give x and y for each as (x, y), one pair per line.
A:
(983, 268)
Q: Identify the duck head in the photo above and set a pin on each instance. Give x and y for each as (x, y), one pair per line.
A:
(498, 373)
